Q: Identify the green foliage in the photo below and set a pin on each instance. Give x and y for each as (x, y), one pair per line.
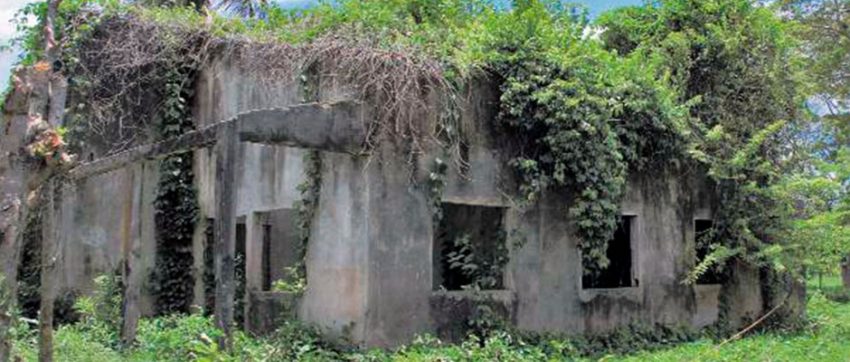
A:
(101, 312)
(294, 282)
(820, 342)
(736, 63)
(171, 338)
(176, 208)
(817, 200)
(716, 258)
(483, 267)
(823, 29)
(291, 342)
(584, 118)
(190, 337)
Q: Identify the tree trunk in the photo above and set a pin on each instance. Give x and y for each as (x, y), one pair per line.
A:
(50, 258)
(27, 98)
(12, 213)
(225, 231)
(54, 112)
(845, 273)
(57, 88)
(10, 251)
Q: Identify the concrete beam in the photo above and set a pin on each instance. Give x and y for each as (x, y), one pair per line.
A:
(334, 127)
(188, 141)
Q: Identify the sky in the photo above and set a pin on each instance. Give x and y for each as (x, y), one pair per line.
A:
(9, 7)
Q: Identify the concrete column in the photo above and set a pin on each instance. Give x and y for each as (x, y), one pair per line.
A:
(133, 271)
(225, 231)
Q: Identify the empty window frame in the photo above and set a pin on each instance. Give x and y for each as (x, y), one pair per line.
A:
(704, 237)
(281, 247)
(469, 248)
(620, 270)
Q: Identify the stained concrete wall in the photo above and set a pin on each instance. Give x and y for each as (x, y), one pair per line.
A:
(544, 276)
(100, 219)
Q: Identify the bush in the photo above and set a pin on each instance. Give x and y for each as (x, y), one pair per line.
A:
(171, 338)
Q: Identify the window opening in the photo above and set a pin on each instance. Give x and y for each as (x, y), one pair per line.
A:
(281, 246)
(469, 248)
(704, 236)
(619, 272)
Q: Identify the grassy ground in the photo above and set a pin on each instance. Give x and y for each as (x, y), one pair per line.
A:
(829, 340)
(180, 339)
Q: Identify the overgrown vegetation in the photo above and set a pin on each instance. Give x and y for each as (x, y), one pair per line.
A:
(176, 205)
(669, 88)
(656, 93)
(189, 337)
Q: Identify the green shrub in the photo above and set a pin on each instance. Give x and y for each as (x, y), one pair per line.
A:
(171, 338)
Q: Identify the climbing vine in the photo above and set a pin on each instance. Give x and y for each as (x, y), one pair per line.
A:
(176, 207)
(741, 140)
(583, 132)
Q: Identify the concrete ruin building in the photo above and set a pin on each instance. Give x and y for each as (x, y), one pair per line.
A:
(376, 270)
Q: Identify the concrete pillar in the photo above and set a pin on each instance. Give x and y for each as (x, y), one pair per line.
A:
(133, 271)
(225, 231)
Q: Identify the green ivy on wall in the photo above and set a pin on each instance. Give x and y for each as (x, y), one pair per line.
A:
(583, 131)
(176, 207)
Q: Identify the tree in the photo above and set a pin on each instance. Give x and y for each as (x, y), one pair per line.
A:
(826, 32)
(735, 63)
(825, 29)
(199, 5)
(244, 8)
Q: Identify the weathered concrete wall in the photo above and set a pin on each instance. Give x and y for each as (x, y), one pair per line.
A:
(338, 251)
(370, 256)
(267, 180)
(100, 218)
(544, 276)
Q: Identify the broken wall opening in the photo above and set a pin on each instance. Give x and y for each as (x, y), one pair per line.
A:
(275, 253)
(238, 265)
(704, 236)
(469, 247)
(620, 253)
